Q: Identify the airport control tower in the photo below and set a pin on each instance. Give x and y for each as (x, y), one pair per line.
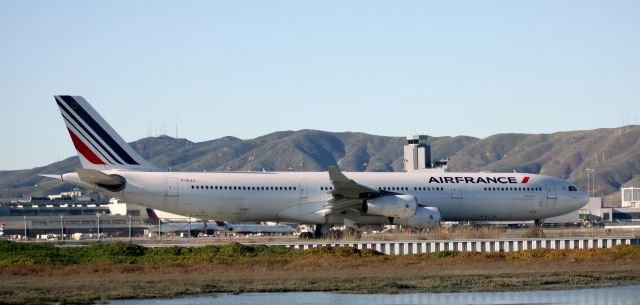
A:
(417, 153)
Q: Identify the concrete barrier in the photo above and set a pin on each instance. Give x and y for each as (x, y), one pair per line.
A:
(401, 247)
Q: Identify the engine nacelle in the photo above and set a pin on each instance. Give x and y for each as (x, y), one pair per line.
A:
(425, 217)
(392, 206)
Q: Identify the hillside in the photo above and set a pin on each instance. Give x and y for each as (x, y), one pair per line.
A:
(614, 154)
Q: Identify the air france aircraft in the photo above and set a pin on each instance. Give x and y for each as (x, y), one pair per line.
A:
(416, 199)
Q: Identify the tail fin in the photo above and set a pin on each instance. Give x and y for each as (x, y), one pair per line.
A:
(99, 146)
(152, 214)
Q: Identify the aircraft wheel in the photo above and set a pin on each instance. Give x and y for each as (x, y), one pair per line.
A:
(306, 235)
(335, 234)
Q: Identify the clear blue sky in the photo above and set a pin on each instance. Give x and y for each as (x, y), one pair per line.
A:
(248, 68)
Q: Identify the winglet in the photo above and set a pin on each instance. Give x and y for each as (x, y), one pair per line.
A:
(348, 188)
(336, 175)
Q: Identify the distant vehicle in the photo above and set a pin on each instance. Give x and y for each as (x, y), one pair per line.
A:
(416, 199)
(78, 236)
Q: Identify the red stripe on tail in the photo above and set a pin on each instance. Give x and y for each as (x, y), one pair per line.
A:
(151, 213)
(84, 150)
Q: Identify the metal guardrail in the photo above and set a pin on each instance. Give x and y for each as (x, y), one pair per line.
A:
(474, 245)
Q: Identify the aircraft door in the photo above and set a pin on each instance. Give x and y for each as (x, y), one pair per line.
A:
(172, 187)
(551, 192)
(456, 192)
(304, 192)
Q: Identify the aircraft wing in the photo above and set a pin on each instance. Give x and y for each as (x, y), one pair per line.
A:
(347, 194)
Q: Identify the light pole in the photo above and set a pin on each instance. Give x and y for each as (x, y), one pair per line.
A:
(25, 227)
(62, 227)
(129, 227)
(588, 182)
(98, 220)
(593, 182)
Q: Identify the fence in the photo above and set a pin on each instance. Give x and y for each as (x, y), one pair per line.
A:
(478, 245)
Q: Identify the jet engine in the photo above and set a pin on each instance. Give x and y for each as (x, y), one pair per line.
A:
(425, 217)
(391, 206)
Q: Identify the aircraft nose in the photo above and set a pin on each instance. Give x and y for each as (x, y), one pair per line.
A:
(582, 200)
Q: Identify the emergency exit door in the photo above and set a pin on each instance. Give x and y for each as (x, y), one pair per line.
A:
(172, 187)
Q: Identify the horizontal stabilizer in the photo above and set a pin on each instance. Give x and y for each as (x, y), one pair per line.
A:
(59, 177)
(98, 177)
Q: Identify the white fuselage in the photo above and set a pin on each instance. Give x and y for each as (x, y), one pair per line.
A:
(301, 197)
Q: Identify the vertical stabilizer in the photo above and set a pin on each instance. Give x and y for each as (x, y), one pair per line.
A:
(99, 146)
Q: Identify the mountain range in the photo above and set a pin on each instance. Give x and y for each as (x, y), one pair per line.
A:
(612, 154)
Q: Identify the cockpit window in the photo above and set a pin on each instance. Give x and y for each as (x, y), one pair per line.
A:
(572, 188)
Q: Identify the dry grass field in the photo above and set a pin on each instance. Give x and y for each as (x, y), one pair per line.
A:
(318, 270)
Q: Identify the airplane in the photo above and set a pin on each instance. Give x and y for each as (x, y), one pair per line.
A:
(416, 199)
(194, 228)
(253, 228)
